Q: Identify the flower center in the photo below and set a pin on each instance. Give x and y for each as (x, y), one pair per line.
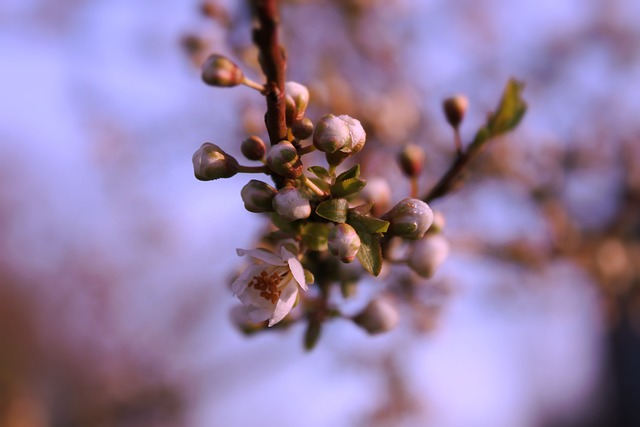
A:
(268, 285)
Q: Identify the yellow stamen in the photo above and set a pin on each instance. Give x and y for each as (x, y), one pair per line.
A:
(268, 285)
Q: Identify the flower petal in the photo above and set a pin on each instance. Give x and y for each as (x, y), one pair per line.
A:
(251, 297)
(258, 314)
(285, 303)
(295, 267)
(262, 255)
(240, 284)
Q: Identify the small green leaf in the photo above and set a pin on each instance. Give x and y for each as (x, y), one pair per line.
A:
(510, 110)
(321, 173)
(347, 187)
(308, 277)
(354, 172)
(334, 210)
(370, 252)
(314, 235)
(366, 224)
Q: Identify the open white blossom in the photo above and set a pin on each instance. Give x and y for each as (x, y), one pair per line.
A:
(269, 286)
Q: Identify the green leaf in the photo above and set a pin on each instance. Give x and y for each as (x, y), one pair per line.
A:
(322, 185)
(368, 229)
(334, 210)
(321, 173)
(347, 187)
(354, 172)
(362, 209)
(370, 252)
(510, 110)
(315, 234)
(366, 224)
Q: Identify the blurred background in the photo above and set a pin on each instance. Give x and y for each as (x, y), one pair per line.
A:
(115, 262)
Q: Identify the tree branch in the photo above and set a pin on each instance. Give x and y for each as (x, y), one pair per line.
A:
(450, 178)
(273, 63)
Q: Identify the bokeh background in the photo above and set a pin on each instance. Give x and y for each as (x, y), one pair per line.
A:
(115, 261)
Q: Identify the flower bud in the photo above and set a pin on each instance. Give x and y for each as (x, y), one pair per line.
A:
(358, 135)
(297, 96)
(283, 159)
(253, 148)
(428, 254)
(411, 160)
(211, 162)
(258, 196)
(220, 71)
(331, 133)
(377, 192)
(302, 129)
(353, 144)
(291, 204)
(454, 109)
(409, 218)
(344, 242)
(380, 315)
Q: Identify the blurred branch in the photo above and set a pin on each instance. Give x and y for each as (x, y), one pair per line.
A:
(507, 116)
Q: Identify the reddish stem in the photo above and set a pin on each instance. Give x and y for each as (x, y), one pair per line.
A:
(273, 64)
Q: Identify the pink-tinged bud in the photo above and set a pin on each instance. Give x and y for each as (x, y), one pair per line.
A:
(297, 97)
(258, 196)
(454, 109)
(344, 242)
(331, 133)
(253, 148)
(377, 192)
(302, 129)
(411, 160)
(220, 71)
(428, 254)
(381, 315)
(291, 204)
(409, 219)
(211, 162)
(284, 160)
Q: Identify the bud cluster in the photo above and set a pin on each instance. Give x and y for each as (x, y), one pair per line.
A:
(322, 220)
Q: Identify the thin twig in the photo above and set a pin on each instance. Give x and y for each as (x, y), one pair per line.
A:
(273, 64)
(450, 178)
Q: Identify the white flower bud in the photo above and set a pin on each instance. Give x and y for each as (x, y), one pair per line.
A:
(428, 254)
(211, 162)
(344, 242)
(381, 315)
(283, 159)
(409, 218)
(258, 196)
(358, 135)
(291, 204)
(357, 138)
(331, 133)
(298, 96)
(220, 71)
